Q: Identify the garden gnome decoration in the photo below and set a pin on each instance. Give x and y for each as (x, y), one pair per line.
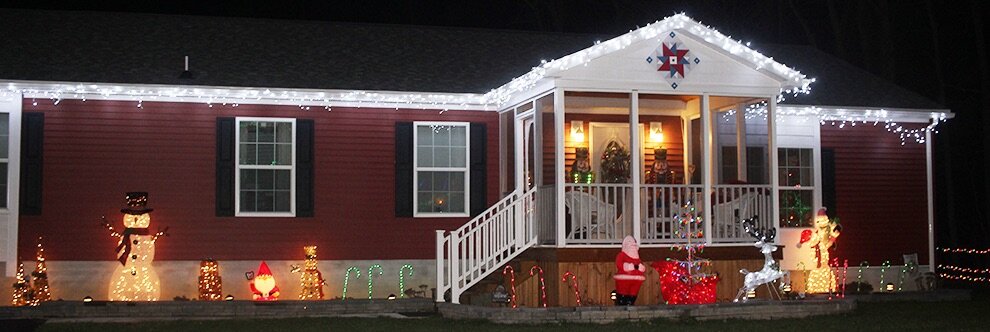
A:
(135, 278)
(631, 272)
(821, 238)
(263, 284)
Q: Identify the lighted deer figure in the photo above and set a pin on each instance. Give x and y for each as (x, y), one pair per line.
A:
(771, 270)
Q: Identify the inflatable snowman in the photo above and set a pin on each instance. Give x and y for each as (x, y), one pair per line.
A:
(135, 279)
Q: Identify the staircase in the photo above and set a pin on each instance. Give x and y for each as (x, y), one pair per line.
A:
(474, 251)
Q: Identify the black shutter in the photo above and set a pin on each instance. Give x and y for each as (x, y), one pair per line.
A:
(479, 158)
(403, 169)
(225, 167)
(32, 159)
(828, 182)
(304, 167)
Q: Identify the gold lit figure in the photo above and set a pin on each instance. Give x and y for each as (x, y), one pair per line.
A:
(311, 281)
(135, 279)
(821, 279)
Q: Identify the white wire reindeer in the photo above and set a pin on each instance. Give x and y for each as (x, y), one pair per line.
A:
(771, 270)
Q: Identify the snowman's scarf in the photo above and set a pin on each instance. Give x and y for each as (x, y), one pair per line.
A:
(124, 247)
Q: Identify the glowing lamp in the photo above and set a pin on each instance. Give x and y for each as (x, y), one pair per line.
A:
(391, 296)
(889, 287)
(577, 131)
(786, 288)
(751, 294)
(612, 295)
(229, 298)
(656, 132)
(87, 299)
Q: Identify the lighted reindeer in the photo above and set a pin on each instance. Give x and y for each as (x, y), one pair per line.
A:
(771, 270)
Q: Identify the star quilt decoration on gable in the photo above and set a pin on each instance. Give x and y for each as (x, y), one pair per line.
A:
(673, 59)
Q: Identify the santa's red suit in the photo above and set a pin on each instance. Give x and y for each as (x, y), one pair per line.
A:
(630, 275)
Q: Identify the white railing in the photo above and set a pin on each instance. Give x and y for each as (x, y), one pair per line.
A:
(597, 213)
(731, 203)
(484, 244)
(546, 215)
(660, 204)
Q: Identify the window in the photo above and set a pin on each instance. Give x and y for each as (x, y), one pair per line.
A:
(796, 178)
(441, 169)
(265, 173)
(4, 146)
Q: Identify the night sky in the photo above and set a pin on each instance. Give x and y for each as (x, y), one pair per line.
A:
(934, 49)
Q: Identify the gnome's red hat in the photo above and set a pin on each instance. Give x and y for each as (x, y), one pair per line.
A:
(821, 213)
(263, 269)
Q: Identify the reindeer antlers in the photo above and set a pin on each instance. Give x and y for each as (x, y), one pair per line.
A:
(763, 235)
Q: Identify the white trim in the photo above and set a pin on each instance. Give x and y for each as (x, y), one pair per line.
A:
(466, 169)
(708, 165)
(636, 144)
(559, 104)
(11, 214)
(774, 166)
(238, 167)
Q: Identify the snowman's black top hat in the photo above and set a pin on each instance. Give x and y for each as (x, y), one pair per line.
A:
(137, 203)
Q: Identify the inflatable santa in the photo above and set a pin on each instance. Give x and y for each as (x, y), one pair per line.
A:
(263, 284)
(630, 275)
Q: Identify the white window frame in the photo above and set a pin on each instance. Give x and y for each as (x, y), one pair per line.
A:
(6, 160)
(815, 188)
(238, 167)
(466, 169)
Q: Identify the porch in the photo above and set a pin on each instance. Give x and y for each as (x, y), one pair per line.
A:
(604, 165)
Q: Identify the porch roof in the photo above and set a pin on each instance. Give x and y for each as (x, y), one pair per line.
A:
(129, 48)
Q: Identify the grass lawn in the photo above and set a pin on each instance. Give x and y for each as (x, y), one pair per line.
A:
(892, 316)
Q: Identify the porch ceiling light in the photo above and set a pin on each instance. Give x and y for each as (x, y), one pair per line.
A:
(656, 132)
(577, 131)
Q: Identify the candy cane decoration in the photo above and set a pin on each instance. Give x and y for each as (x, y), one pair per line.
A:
(577, 291)
(512, 283)
(347, 277)
(859, 276)
(883, 272)
(371, 277)
(543, 285)
(845, 272)
(402, 279)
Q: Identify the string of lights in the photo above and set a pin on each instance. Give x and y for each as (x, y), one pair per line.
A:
(964, 251)
(402, 278)
(347, 277)
(371, 276)
(543, 285)
(512, 284)
(574, 283)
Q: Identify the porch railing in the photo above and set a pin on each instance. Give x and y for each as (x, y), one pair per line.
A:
(485, 243)
(661, 203)
(597, 213)
(731, 203)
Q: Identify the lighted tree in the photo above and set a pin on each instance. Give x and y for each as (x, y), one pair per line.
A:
(210, 286)
(22, 289)
(682, 281)
(615, 163)
(39, 278)
(311, 280)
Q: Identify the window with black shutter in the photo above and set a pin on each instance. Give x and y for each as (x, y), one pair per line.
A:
(440, 169)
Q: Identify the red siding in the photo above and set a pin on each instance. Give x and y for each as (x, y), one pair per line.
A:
(881, 194)
(95, 151)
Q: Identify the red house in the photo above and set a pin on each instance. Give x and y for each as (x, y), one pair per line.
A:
(450, 150)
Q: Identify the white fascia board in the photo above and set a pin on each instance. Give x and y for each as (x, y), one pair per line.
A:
(302, 98)
(855, 113)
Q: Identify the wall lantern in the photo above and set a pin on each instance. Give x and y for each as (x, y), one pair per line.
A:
(751, 294)
(87, 299)
(656, 132)
(890, 287)
(391, 296)
(577, 131)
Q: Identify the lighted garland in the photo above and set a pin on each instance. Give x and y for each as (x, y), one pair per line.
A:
(371, 276)
(347, 277)
(963, 269)
(402, 278)
(543, 285)
(965, 251)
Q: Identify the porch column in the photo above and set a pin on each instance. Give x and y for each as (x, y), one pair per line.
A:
(774, 181)
(707, 166)
(558, 119)
(636, 167)
(931, 203)
(519, 142)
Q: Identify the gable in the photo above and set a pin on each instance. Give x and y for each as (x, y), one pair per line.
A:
(678, 64)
